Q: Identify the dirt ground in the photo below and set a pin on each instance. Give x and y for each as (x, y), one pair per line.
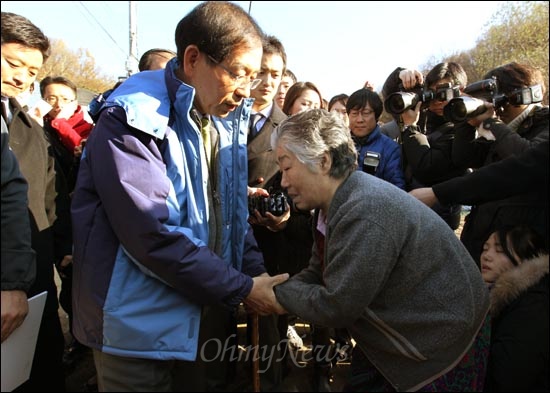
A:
(80, 378)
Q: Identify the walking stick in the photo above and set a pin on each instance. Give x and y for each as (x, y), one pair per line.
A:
(255, 350)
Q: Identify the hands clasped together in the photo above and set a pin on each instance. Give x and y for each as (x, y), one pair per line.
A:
(261, 298)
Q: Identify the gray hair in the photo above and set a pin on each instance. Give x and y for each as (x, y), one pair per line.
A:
(309, 134)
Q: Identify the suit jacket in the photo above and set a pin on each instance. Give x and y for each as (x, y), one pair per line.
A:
(51, 235)
(288, 250)
(261, 160)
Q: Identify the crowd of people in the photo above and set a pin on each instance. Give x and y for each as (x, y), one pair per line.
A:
(143, 208)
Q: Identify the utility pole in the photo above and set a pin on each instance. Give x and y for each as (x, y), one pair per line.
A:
(132, 62)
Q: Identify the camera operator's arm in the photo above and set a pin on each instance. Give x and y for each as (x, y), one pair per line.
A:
(508, 142)
(517, 174)
(469, 151)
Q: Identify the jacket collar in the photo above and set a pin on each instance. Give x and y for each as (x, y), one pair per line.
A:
(512, 283)
(18, 111)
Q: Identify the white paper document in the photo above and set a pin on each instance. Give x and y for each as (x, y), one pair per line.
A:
(18, 348)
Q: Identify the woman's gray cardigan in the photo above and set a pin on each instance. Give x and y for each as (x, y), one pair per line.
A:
(397, 277)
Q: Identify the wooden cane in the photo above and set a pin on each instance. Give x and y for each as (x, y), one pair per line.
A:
(255, 350)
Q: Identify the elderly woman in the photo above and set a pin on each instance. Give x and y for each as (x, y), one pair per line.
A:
(384, 266)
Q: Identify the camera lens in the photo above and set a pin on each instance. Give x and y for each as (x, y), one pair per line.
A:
(398, 102)
(462, 108)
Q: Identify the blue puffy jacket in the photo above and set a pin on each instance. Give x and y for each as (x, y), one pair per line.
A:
(142, 268)
(390, 167)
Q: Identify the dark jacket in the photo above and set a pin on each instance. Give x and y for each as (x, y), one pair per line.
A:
(18, 258)
(48, 201)
(289, 250)
(427, 160)
(525, 172)
(429, 155)
(519, 337)
(527, 208)
(475, 153)
(261, 160)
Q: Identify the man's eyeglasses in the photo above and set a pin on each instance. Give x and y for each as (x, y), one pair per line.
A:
(240, 81)
(364, 113)
(62, 100)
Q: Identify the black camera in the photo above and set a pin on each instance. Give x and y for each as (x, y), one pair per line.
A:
(485, 89)
(446, 92)
(399, 102)
(274, 203)
(370, 162)
(463, 108)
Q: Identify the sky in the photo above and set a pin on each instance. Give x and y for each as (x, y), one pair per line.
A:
(336, 45)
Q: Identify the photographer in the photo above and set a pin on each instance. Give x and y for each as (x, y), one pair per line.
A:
(426, 136)
(522, 123)
(378, 154)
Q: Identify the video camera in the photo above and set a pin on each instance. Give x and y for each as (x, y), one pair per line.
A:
(487, 90)
(398, 102)
(275, 204)
(463, 108)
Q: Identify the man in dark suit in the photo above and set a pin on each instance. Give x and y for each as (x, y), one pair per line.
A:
(265, 115)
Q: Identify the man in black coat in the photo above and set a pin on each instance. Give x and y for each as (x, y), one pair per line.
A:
(18, 258)
(24, 50)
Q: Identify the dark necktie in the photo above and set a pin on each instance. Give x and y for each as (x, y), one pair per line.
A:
(253, 129)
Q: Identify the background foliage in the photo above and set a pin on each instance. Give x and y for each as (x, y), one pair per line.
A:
(517, 32)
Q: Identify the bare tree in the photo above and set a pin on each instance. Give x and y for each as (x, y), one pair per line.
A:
(518, 31)
(79, 66)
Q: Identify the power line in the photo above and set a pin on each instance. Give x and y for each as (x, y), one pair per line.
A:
(103, 28)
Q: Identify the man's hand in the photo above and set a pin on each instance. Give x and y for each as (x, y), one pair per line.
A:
(15, 308)
(487, 114)
(425, 195)
(256, 191)
(63, 266)
(411, 78)
(272, 222)
(410, 116)
(368, 86)
(261, 298)
(78, 149)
